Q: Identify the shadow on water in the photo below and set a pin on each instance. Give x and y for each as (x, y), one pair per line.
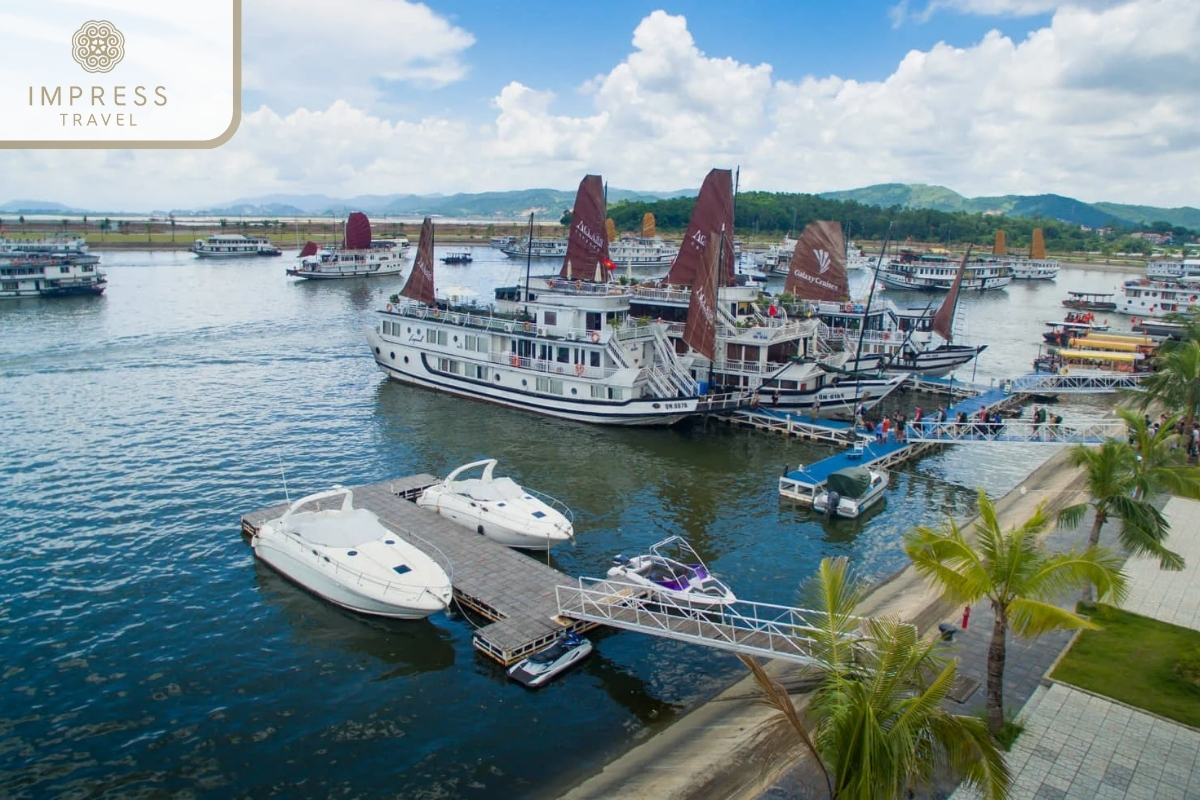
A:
(408, 646)
(837, 530)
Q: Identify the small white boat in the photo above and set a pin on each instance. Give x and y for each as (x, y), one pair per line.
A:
(673, 570)
(539, 668)
(850, 491)
(348, 557)
(500, 509)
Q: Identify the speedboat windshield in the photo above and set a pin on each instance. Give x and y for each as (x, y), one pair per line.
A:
(489, 491)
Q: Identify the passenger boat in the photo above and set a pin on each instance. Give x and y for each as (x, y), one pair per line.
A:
(897, 340)
(747, 341)
(641, 252)
(1035, 267)
(1157, 299)
(49, 268)
(930, 272)
(499, 508)
(1061, 333)
(1090, 301)
(544, 665)
(345, 555)
(463, 257)
(1167, 330)
(499, 242)
(571, 350)
(1080, 361)
(850, 491)
(540, 248)
(359, 256)
(1173, 270)
(234, 246)
(673, 570)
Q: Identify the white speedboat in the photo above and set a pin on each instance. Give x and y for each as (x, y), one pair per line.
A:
(850, 491)
(345, 555)
(537, 670)
(673, 570)
(500, 509)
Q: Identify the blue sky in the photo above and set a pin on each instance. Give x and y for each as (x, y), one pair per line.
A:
(1093, 99)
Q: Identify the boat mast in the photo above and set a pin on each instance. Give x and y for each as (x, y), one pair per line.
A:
(528, 260)
(862, 329)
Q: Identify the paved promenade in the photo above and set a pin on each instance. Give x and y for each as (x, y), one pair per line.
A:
(1078, 745)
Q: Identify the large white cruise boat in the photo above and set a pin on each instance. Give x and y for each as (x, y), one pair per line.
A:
(641, 252)
(49, 268)
(541, 248)
(234, 246)
(359, 256)
(1173, 270)
(1146, 298)
(929, 272)
(571, 351)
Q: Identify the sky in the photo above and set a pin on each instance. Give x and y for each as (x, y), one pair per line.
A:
(1094, 99)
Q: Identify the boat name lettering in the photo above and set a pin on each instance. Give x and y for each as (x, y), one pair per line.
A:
(593, 238)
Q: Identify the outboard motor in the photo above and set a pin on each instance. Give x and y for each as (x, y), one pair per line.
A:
(620, 560)
(831, 504)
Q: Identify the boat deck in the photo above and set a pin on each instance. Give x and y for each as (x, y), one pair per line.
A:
(510, 588)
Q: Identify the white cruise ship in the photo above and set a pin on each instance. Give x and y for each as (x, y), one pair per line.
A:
(49, 268)
(927, 272)
(234, 246)
(641, 252)
(1173, 270)
(360, 256)
(1156, 299)
(541, 248)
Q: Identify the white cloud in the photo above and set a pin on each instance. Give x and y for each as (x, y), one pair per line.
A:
(904, 11)
(1100, 104)
(308, 53)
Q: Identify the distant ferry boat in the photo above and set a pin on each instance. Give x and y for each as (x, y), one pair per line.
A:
(359, 256)
(539, 248)
(1025, 269)
(928, 272)
(1157, 299)
(1173, 270)
(641, 252)
(49, 268)
(234, 246)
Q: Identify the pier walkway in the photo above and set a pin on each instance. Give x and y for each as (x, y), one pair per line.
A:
(804, 483)
(510, 588)
(795, 423)
(1016, 430)
(757, 629)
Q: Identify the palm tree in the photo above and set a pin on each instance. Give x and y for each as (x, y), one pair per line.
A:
(105, 224)
(1123, 484)
(1160, 466)
(876, 725)
(1014, 573)
(1175, 382)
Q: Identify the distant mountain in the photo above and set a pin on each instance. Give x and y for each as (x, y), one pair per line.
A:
(36, 207)
(1053, 206)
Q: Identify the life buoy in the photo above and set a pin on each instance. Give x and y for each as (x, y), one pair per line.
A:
(848, 307)
(389, 306)
(528, 326)
(578, 285)
(437, 312)
(594, 336)
(887, 335)
(515, 360)
(579, 369)
(1062, 371)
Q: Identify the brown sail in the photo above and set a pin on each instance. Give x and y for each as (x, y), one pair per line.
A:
(713, 212)
(700, 332)
(649, 231)
(1037, 246)
(818, 269)
(420, 282)
(1000, 248)
(310, 249)
(358, 232)
(587, 243)
(943, 320)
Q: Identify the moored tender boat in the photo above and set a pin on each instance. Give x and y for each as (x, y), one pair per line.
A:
(500, 509)
(537, 670)
(672, 569)
(346, 555)
(850, 491)
(1090, 301)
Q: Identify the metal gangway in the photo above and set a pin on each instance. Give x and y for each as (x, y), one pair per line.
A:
(1094, 431)
(758, 629)
(1093, 383)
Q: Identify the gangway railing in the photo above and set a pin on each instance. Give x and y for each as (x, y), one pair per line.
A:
(1016, 430)
(758, 629)
(1074, 383)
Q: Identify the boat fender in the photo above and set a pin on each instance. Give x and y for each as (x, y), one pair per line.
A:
(479, 529)
(389, 306)
(579, 369)
(595, 337)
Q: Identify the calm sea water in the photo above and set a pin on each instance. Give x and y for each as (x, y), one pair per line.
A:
(146, 652)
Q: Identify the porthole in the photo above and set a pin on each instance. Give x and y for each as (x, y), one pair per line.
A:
(406, 359)
(376, 351)
(497, 379)
(524, 382)
(393, 355)
(408, 330)
(574, 391)
(351, 552)
(656, 405)
(456, 340)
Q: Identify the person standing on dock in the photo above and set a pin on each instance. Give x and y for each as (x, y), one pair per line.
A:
(1037, 421)
(816, 411)
(885, 429)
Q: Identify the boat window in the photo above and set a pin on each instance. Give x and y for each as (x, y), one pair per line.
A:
(401, 569)
(538, 514)
(599, 392)
(564, 355)
(549, 317)
(595, 358)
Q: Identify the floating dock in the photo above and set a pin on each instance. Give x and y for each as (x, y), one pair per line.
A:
(514, 591)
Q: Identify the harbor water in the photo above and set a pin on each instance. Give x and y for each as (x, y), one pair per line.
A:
(146, 652)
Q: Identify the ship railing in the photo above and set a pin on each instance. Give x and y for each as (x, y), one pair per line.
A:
(1078, 431)
(556, 504)
(586, 287)
(669, 294)
(552, 367)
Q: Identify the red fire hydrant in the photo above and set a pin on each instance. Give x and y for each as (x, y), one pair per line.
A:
(966, 616)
